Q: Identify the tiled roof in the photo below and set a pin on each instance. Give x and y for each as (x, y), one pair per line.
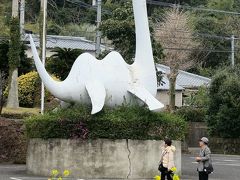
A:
(165, 85)
(67, 42)
(184, 79)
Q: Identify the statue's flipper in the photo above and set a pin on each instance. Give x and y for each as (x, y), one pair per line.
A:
(97, 94)
(143, 94)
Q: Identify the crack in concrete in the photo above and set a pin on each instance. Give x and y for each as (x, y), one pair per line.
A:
(129, 159)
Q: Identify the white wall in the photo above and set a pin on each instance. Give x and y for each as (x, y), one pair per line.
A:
(98, 159)
(163, 97)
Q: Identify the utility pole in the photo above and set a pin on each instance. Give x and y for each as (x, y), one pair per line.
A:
(44, 6)
(15, 7)
(98, 33)
(22, 17)
(233, 49)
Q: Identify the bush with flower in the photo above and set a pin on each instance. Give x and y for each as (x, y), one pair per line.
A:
(56, 175)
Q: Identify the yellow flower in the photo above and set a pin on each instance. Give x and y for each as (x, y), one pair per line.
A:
(59, 178)
(157, 178)
(66, 173)
(55, 172)
(176, 177)
(174, 169)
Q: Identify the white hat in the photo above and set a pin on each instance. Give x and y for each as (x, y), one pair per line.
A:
(205, 140)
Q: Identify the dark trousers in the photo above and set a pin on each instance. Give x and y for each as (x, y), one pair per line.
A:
(166, 173)
(203, 176)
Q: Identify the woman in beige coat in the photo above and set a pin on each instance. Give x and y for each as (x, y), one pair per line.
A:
(167, 160)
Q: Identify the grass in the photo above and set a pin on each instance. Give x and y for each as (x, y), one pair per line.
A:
(19, 113)
(21, 110)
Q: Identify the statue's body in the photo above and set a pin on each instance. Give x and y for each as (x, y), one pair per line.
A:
(111, 81)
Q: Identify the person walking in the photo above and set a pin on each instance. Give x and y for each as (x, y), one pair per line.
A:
(203, 159)
(167, 160)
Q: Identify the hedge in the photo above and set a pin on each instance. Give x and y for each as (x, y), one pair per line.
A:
(192, 114)
(121, 123)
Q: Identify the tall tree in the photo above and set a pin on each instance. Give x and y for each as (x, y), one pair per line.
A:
(120, 29)
(4, 46)
(14, 57)
(223, 114)
(216, 24)
(175, 35)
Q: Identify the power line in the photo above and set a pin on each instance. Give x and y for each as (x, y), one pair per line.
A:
(203, 34)
(201, 50)
(154, 2)
(86, 5)
(181, 37)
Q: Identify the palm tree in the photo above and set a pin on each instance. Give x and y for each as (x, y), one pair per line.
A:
(61, 62)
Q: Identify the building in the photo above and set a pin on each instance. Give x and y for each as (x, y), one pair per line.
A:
(185, 84)
(71, 42)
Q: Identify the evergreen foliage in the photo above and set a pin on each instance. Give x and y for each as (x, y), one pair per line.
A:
(14, 45)
(224, 104)
(124, 122)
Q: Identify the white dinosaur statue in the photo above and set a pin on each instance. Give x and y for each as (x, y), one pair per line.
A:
(111, 81)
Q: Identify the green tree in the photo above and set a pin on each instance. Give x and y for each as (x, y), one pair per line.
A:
(25, 65)
(61, 62)
(4, 46)
(224, 104)
(215, 24)
(198, 99)
(13, 62)
(120, 29)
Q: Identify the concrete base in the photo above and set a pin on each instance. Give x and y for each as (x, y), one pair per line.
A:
(96, 159)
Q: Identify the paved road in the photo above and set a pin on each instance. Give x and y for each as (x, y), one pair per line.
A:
(226, 168)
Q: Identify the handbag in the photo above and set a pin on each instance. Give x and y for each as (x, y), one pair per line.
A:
(161, 168)
(208, 169)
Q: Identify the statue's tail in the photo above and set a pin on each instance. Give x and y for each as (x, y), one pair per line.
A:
(53, 86)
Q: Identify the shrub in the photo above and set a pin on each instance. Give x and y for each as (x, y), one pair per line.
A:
(121, 123)
(29, 89)
(223, 115)
(198, 99)
(28, 85)
(192, 114)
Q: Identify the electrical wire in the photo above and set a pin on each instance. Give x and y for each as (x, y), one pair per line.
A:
(201, 50)
(204, 35)
(86, 5)
(159, 3)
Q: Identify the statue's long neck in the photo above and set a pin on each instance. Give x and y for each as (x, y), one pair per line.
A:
(144, 55)
(144, 67)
